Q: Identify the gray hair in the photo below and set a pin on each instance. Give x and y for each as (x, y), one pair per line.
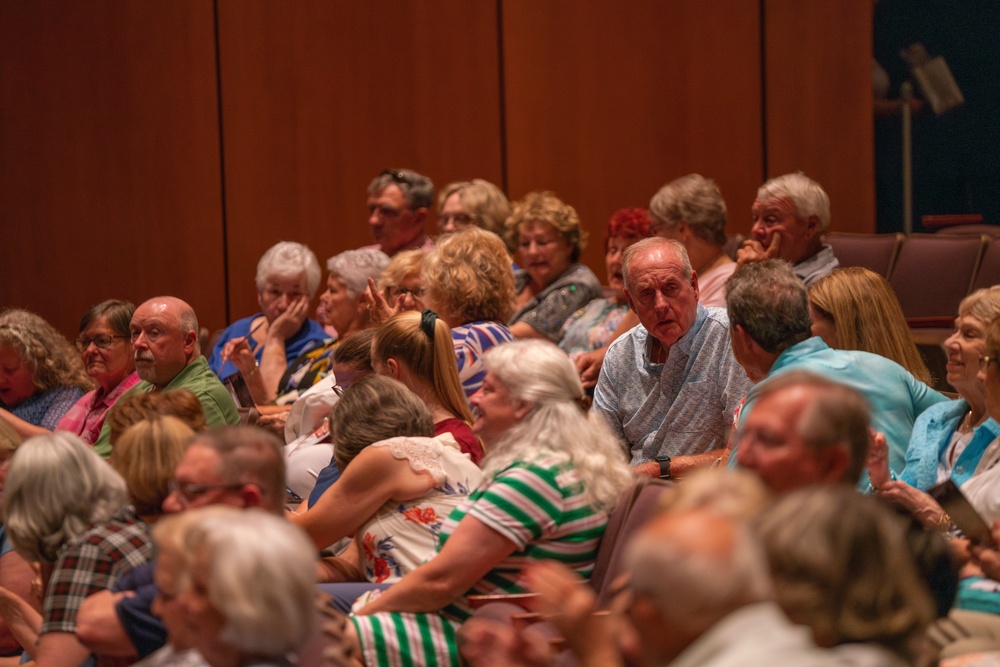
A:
(249, 455)
(118, 313)
(837, 415)
(56, 489)
(983, 304)
(355, 267)
(841, 564)
(288, 260)
(697, 201)
(373, 409)
(629, 254)
(695, 590)
(235, 548)
(808, 196)
(769, 301)
(417, 189)
(540, 374)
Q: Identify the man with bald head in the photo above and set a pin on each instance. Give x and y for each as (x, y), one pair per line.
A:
(168, 356)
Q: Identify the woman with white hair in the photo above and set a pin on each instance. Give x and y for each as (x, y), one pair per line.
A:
(287, 277)
(553, 474)
(346, 311)
(66, 508)
(238, 585)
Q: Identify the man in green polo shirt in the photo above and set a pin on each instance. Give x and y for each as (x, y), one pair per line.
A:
(168, 356)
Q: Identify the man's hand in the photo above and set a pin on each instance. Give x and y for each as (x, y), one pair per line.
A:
(588, 365)
(753, 251)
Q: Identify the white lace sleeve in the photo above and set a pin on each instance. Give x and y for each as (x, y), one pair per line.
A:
(423, 454)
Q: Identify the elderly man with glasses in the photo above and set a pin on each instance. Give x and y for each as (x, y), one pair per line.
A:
(398, 202)
(240, 466)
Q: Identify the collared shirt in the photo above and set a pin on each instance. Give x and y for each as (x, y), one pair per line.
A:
(90, 563)
(87, 415)
(818, 266)
(681, 407)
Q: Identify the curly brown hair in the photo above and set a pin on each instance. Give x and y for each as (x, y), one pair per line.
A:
(468, 277)
(547, 209)
(54, 361)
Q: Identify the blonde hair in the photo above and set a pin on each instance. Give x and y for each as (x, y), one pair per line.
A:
(430, 357)
(10, 440)
(146, 455)
(401, 266)
(468, 276)
(482, 201)
(868, 317)
(53, 360)
(983, 304)
(179, 403)
(547, 209)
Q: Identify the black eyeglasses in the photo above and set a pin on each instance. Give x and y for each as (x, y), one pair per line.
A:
(189, 492)
(396, 175)
(102, 341)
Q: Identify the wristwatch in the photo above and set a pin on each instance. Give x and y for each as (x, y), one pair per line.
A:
(664, 462)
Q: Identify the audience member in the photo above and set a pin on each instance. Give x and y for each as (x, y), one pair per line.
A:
(287, 277)
(179, 403)
(476, 203)
(553, 474)
(234, 622)
(691, 210)
(67, 509)
(398, 202)
(790, 216)
(347, 311)
(841, 567)
(551, 284)
(15, 572)
(592, 326)
(471, 288)
(397, 484)
(41, 376)
(856, 309)
(168, 356)
(669, 387)
(416, 349)
(804, 430)
(239, 466)
(401, 284)
(769, 323)
(145, 456)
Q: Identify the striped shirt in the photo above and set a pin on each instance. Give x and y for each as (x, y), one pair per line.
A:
(471, 341)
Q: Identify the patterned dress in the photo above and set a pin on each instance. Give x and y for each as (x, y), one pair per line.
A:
(402, 536)
(540, 506)
(591, 327)
(471, 341)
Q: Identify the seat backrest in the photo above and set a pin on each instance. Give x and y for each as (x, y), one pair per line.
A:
(876, 252)
(645, 505)
(613, 529)
(989, 269)
(934, 272)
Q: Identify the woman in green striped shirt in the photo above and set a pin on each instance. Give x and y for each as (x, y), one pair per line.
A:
(552, 475)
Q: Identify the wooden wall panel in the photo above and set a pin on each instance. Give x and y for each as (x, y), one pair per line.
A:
(109, 156)
(319, 97)
(607, 102)
(819, 101)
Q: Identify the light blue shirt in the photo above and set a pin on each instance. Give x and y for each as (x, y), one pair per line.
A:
(681, 407)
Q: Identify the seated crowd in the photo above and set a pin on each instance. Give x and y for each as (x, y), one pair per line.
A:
(465, 415)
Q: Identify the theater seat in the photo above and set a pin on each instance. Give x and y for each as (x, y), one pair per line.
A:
(876, 252)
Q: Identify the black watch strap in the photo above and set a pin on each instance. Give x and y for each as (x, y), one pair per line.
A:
(664, 462)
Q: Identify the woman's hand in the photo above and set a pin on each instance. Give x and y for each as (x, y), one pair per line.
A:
(988, 557)
(240, 354)
(289, 322)
(380, 309)
(922, 506)
(878, 459)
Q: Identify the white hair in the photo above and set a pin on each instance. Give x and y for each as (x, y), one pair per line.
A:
(807, 195)
(355, 267)
(260, 574)
(630, 253)
(695, 590)
(288, 259)
(542, 375)
(56, 489)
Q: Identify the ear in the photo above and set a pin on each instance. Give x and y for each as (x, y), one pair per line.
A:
(694, 284)
(522, 409)
(190, 343)
(812, 225)
(628, 299)
(420, 215)
(393, 367)
(251, 495)
(260, 299)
